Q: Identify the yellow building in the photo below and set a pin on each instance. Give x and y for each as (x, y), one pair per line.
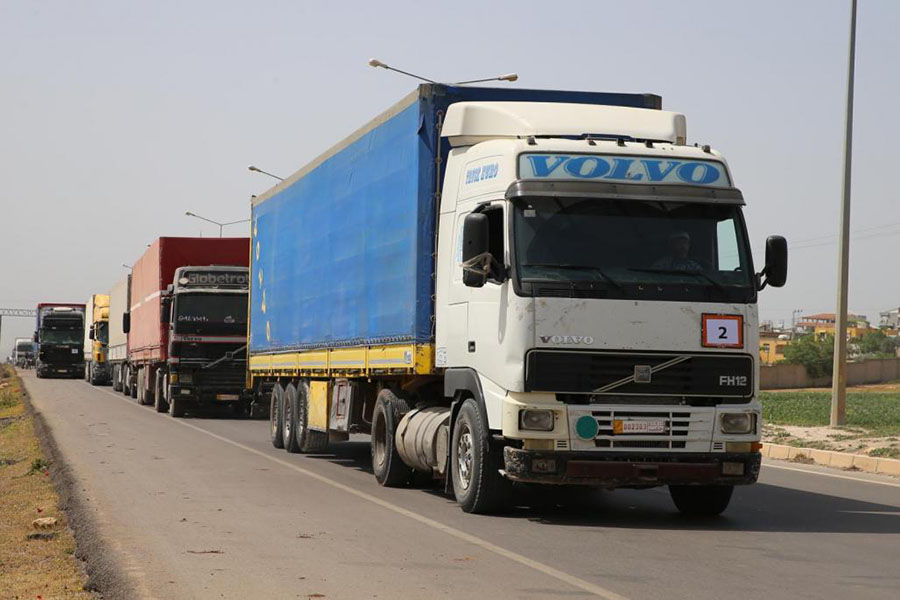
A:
(771, 348)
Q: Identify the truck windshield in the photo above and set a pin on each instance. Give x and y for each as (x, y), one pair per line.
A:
(61, 336)
(211, 313)
(633, 249)
(101, 332)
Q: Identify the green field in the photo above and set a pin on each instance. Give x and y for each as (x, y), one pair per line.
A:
(876, 412)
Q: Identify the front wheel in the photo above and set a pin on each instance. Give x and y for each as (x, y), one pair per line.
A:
(708, 500)
(176, 406)
(477, 483)
(159, 398)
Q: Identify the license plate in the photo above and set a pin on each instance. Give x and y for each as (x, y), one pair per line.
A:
(639, 426)
(227, 397)
(62, 370)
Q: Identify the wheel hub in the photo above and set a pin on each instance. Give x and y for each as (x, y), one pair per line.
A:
(464, 457)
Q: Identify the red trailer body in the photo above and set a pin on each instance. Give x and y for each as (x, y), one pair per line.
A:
(148, 338)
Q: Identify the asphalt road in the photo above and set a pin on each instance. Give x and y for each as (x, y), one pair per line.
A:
(206, 508)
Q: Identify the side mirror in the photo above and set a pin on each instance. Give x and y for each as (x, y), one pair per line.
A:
(164, 306)
(91, 333)
(35, 337)
(476, 258)
(776, 262)
(126, 322)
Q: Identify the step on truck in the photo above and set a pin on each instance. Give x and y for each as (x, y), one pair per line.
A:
(515, 286)
(187, 325)
(96, 340)
(59, 339)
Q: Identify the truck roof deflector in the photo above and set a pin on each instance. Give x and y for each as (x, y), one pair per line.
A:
(469, 123)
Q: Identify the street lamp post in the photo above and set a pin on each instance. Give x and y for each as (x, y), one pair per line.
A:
(839, 376)
(221, 225)
(258, 170)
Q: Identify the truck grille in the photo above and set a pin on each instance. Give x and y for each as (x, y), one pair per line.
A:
(686, 430)
(601, 373)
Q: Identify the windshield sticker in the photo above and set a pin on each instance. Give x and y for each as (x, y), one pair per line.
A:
(629, 169)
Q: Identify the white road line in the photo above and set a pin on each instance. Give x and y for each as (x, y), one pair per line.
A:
(768, 465)
(462, 535)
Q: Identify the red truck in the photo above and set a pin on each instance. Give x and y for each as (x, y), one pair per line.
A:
(187, 324)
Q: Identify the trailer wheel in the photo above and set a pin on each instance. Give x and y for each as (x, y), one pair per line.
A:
(308, 439)
(87, 371)
(138, 391)
(275, 431)
(477, 483)
(701, 500)
(292, 430)
(159, 398)
(389, 468)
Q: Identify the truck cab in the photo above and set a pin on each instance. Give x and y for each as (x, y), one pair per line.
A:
(23, 353)
(59, 336)
(96, 340)
(205, 311)
(596, 293)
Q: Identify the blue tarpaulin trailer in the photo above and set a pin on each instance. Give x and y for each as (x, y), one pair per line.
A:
(343, 250)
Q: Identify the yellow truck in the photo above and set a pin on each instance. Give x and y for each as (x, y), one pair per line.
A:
(96, 340)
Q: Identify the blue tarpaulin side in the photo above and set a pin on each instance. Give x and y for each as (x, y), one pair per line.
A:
(344, 255)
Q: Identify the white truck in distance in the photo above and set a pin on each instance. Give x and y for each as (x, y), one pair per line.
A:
(594, 309)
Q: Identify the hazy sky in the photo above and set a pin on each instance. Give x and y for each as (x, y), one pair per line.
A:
(117, 117)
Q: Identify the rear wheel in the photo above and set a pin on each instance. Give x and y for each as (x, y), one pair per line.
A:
(159, 398)
(708, 500)
(477, 483)
(309, 440)
(289, 425)
(139, 385)
(87, 371)
(276, 434)
(389, 468)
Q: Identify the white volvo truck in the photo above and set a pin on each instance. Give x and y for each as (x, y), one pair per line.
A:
(581, 306)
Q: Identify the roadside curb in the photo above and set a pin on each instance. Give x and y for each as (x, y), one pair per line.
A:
(830, 458)
(106, 573)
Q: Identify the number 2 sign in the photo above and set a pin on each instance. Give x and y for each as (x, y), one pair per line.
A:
(722, 331)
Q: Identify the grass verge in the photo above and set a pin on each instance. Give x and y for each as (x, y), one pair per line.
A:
(34, 563)
(878, 413)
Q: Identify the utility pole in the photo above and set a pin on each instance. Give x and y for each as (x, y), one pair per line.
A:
(839, 377)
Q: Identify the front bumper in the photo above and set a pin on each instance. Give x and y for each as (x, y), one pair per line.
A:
(61, 369)
(610, 470)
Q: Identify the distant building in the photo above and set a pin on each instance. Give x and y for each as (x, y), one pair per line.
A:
(890, 319)
(772, 345)
(823, 324)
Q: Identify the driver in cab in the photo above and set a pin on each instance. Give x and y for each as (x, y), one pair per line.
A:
(679, 258)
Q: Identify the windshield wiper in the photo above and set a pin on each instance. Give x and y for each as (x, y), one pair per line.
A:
(718, 285)
(598, 270)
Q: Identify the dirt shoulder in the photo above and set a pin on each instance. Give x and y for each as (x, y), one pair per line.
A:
(800, 418)
(37, 546)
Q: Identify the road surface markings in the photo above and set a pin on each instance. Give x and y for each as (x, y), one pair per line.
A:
(835, 475)
(577, 582)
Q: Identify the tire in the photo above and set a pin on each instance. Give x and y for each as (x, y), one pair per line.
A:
(289, 424)
(117, 379)
(159, 398)
(138, 391)
(475, 466)
(276, 433)
(389, 468)
(176, 407)
(701, 500)
(87, 371)
(307, 439)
